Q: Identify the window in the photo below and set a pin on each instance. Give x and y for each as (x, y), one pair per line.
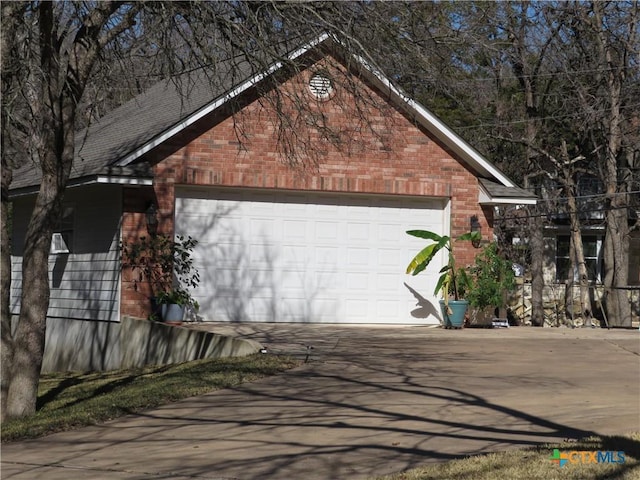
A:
(590, 203)
(589, 185)
(591, 244)
(62, 240)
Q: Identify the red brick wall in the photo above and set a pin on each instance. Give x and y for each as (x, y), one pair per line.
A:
(380, 152)
(134, 292)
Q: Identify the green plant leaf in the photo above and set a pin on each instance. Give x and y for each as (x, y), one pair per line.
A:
(449, 281)
(422, 259)
(446, 268)
(426, 234)
(471, 236)
(443, 282)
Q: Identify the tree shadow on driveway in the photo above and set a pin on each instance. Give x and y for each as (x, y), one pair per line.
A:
(378, 409)
(368, 405)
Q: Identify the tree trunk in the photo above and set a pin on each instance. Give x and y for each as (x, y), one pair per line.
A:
(537, 262)
(616, 268)
(5, 326)
(10, 13)
(54, 140)
(616, 250)
(578, 255)
(569, 299)
(30, 331)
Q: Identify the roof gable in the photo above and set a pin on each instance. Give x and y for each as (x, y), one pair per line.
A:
(126, 134)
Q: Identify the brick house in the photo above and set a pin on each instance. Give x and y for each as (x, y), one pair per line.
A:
(311, 234)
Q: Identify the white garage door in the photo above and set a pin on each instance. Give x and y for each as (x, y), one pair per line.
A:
(268, 256)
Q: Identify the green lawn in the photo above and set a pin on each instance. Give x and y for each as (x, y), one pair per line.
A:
(72, 400)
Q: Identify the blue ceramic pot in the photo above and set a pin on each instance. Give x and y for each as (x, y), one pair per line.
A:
(458, 309)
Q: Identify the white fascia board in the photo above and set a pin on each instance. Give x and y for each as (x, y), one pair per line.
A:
(458, 144)
(508, 201)
(118, 180)
(207, 109)
(484, 198)
(100, 179)
(441, 130)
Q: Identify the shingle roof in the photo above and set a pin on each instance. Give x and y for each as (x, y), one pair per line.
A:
(118, 137)
(126, 128)
(498, 191)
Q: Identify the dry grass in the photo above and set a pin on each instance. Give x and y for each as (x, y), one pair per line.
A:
(72, 400)
(533, 464)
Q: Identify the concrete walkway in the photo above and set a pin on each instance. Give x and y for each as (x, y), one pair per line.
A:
(369, 401)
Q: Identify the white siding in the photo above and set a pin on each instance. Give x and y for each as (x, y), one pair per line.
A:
(84, 283)
(549, 270)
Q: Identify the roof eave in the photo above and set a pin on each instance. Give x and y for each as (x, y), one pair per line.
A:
(497, 201)
(438, 128)
(100, 179)
(217, 103)
(430, 122)
(486, 198)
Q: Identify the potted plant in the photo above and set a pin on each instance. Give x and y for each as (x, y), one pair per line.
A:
(167, 266)
(493, 279)
(453, 282)
(173, 304)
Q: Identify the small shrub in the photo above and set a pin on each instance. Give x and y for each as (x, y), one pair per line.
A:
(492, 278)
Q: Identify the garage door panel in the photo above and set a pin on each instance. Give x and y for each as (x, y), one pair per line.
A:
(359, 258)
(322, 310)
(358, 281)
(284, 256)
(358, 232)
(296, 255)
(358, 309)
(327, 231)
(327, 256)
(389, 258)
(295, 229)
(387, 233)
(386, 282)
(388, 308)
(292, 207)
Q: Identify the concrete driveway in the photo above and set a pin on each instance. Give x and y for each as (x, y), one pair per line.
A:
(369, 401)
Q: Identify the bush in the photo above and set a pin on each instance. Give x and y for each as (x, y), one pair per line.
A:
(492, 278)
(167, 265)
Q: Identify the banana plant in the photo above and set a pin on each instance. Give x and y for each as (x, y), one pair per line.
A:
(452, 281)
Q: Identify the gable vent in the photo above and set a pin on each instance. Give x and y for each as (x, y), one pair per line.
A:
(321, 86)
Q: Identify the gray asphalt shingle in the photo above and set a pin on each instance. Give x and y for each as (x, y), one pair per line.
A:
(145, 117)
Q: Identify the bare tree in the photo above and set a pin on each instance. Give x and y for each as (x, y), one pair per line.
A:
(613, 28)
(561, 80)
(58, 59)
(482, 65)
(9, 58)
(67, 45)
